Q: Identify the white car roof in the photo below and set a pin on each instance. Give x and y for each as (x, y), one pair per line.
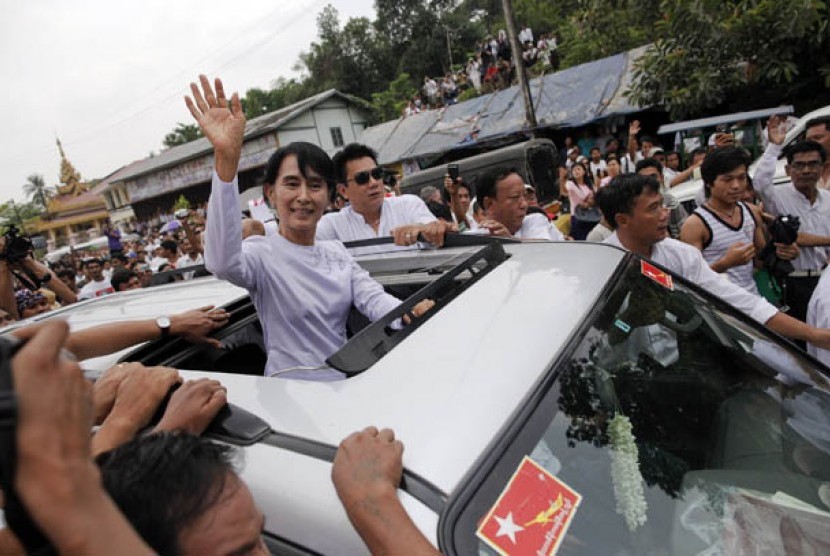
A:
(449, 387)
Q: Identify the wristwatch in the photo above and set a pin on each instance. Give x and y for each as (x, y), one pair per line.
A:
(164, 325)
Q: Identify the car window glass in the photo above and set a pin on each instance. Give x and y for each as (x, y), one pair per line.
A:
(729, 443)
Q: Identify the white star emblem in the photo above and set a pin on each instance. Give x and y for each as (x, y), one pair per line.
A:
(508, 527)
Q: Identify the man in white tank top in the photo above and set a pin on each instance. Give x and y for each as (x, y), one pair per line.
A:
(724, 229)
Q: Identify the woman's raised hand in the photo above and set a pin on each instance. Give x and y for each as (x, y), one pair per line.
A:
(222, 122)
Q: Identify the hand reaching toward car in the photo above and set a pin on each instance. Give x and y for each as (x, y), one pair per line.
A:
(366, 472)
(193, 406)
(195, 325)
(56, 478)
(137, 399)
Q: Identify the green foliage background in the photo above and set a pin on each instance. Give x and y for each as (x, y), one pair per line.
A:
(709, 56)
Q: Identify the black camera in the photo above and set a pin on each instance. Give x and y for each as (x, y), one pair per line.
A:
(783, 230)
(17, 247)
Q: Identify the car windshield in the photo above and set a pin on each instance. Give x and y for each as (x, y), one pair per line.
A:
(674, 426)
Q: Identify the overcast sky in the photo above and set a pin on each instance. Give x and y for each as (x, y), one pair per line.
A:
(107, 77)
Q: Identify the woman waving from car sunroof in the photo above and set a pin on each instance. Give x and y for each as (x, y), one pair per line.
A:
(302, 288)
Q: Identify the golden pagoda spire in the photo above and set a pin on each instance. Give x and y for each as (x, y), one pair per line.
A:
(70, 178)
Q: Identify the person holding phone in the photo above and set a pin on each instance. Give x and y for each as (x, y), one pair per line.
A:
(302, 288)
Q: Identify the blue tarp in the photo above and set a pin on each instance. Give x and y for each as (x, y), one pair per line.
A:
(569, 98)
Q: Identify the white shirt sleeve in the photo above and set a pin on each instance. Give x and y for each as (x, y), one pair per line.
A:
(699, 272)
(369, 296)
(226, 256)
(762, 181)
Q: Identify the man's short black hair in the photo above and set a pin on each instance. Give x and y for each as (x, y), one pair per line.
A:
(487, 181)
(308, 155)
(120, 256)
(669, 153)
(722, 161)
(813, 122)
(121, 276)
(804, 147)
(352, 151)
(170, 245)
(647, 139)
(648, 163)
(66, 273)
(621, 194)
(89, 261)
(164, 482)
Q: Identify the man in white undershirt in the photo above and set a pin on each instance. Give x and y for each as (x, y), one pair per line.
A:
(634, 208)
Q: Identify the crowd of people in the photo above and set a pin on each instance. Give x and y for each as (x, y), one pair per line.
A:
(128, 490)
(490, 68)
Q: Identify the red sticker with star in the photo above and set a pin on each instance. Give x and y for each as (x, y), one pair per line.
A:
(657, 275)
(532, 514)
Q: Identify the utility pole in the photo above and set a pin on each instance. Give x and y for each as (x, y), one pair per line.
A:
(516, 48)
(449, 46)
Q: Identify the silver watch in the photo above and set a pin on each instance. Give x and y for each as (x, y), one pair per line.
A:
(164, 325)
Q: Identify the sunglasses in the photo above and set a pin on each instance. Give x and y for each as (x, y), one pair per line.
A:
(362, 178)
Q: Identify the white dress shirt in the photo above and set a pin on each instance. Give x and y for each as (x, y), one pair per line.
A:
(349, 225)
(686, 261)
(302, 294)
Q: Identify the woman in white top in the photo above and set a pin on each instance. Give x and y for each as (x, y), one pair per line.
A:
(302, 289)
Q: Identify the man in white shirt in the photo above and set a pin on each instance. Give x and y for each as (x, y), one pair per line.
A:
(800, 198)
(192, 257)
(502, 194)
(370, 213)
(98, 285)
(525, 35)
(634, 208)
(599, 169)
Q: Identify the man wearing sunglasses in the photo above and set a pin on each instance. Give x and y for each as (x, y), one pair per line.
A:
(370, 213)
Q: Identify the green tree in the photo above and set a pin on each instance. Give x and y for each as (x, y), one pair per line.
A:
(747, 52)
(599, 28)
(37, 191)
(390, 103)
(183, 133)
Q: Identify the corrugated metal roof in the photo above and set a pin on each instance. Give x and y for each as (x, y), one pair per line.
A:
(253, 128)
(568, 98)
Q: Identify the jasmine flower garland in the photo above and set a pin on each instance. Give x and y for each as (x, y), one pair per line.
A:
(625, 473)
